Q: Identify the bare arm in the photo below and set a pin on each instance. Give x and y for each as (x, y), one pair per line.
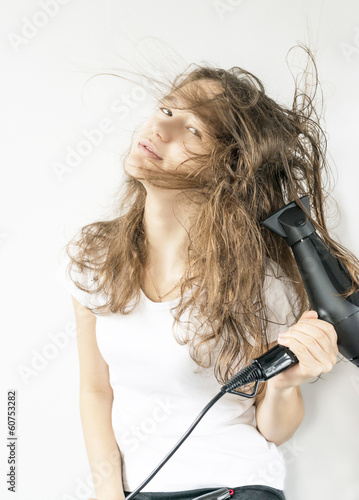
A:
(96, 398)
(279, 412)
(315, 343)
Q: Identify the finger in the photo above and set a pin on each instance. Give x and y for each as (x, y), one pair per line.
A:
(310, 353)
(319, 336)
(306, 359)
(310, 314)
(328, 328)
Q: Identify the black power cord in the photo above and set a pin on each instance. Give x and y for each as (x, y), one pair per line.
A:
(271, 363)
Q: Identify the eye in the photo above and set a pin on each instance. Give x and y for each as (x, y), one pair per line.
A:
(195, 131)
(166, 109)
(170, 114)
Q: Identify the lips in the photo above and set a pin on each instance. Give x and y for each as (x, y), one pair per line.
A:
(148, 144)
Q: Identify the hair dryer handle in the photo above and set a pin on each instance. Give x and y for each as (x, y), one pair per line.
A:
(275, 361)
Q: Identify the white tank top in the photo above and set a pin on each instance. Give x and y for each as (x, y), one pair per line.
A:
(159, 390)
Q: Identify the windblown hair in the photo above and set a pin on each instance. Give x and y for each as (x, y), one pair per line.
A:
(262, 156)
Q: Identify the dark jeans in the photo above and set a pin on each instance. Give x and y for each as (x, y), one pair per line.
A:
(255, 492)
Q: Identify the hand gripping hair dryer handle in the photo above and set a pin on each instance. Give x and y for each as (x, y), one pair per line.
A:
(324, 276)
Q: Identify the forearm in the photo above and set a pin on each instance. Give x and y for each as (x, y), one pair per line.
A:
(280, 413)
(102, 449)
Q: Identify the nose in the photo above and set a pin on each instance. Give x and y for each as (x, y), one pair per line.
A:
(166, 129)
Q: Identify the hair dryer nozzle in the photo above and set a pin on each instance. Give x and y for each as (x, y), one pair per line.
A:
(290, 222)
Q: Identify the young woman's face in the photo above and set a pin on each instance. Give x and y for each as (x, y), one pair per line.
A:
(169, 133)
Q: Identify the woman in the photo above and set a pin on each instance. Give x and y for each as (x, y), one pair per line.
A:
(184, 287)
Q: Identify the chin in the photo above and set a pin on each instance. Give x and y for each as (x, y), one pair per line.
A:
(131, 170)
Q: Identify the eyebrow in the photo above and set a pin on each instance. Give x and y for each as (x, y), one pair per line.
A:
(169, 99)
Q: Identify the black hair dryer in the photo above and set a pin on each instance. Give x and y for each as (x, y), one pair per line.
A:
(324, 276)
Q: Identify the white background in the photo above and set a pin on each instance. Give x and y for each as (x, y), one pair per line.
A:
(46, 60)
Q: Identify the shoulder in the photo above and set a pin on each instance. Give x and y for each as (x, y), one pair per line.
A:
(82, 284)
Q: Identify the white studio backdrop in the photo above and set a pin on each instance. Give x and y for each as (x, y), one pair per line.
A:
(49, 109)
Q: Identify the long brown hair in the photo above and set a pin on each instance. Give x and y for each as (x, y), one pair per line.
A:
(262, 156)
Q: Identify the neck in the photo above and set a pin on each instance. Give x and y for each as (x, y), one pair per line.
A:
(167, 219)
